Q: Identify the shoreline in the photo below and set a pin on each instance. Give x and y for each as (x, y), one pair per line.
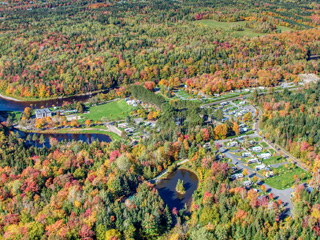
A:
(3, 96)
(72, 131)
(10, 98)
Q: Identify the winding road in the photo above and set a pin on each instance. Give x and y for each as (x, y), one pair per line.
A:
(285, 194)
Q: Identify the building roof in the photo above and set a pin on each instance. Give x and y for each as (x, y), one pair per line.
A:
(43, 110)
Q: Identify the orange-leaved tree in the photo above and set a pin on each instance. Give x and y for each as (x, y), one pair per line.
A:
(88, 122)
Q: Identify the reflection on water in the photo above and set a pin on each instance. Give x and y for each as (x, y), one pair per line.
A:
(9, 105)
(166, 188)
(85, 137)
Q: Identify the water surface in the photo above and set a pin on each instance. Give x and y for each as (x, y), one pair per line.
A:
(167, 188)
(85, 137)
(10, 105)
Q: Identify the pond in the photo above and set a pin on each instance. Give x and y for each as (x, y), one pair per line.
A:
(166, 188)
(85, 137)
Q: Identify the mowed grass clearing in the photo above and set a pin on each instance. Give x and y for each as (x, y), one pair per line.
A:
(269, 161)
(286, 179)
(246, 32)
(112, 111)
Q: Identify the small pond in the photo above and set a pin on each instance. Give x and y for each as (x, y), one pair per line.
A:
(85, 137)
(166, 188)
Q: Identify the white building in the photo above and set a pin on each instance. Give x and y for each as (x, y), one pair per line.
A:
(253, 160)
(133, 102)
(242, 130)
(246, 154)
(269, 174)
(260, 167)
(72, 117)
(233, 144)
(256, 149)
(123, 125)
(138, 120)
(129, 130)
(264, 155)
(247, 183)
(223, 103)
(236, 176)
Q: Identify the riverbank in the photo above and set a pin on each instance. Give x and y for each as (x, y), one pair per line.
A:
(112, 135)
(23, 99)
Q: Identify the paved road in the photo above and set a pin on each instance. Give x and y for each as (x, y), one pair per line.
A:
(245, 94)
(278, 164)
(220, 101)
(241, 165)
(276, 146)
(284, 195)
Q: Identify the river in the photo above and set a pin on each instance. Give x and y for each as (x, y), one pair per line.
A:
(7, 105)
(166, 188)
(10, 105)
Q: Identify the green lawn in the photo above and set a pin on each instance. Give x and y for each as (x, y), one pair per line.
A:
(186, 95)
(263, 144)
(246, 32)
(271, 150)
(239, 154)
(286, 178)
(270, 161)
(113, 111)
(233, 148)
(274, 160)
(257, 139)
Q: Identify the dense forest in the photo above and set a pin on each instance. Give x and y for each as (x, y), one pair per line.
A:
(100, 191)
(146, 50)
(291, 119)
(65, 48)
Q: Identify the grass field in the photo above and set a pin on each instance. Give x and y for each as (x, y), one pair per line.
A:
(184, 94)
(286, 179)
(263, 144)
(247, 31)
(113, 111)
(270, 161)
(272, 151)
